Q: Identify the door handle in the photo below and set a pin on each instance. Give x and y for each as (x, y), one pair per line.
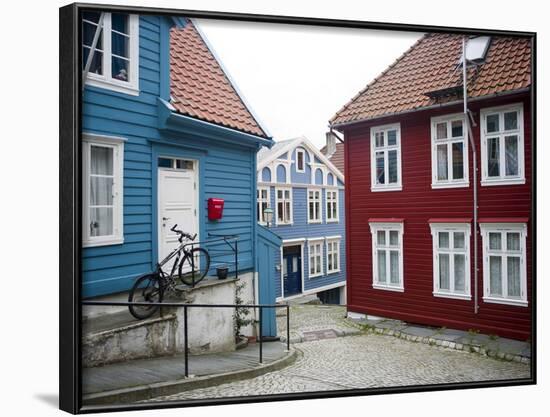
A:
(165, 218)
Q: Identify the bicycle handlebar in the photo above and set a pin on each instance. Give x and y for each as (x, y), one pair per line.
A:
(183, 234)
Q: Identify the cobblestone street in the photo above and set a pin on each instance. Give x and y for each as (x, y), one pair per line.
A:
(361, 361)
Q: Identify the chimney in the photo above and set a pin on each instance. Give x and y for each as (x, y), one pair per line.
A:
(331, 144)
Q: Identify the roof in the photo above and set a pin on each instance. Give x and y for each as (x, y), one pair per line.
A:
(266, 156)
(200, 88)
(430, 65)
(337, 157)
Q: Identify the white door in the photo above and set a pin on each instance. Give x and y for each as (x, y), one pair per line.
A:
(177, 205)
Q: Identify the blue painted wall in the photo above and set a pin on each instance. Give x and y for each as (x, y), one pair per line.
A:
(227, 171)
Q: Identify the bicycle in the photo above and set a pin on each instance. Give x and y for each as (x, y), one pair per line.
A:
(151, 287)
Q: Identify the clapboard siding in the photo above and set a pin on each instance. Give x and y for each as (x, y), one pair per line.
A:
(417, 203)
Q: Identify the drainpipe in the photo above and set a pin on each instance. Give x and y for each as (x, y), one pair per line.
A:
(92, 49)
(474, 158)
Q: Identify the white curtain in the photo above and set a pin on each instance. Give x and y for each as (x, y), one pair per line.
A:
(442, 162)
(513, 276)
(101, 191)
(394, 267)
(382, 266)
(495, 279)
(444, 267)
(511, 152)
(459, 271)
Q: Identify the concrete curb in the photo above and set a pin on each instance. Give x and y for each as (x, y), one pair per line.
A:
(466, 347)
(146, 392)
(338, 332)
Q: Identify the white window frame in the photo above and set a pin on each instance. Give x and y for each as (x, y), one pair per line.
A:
(451, 228)
(316, 255)
(387, 227)
(503, 228)
(285, 201)
(106, 80)
(385, 187)
(303, 153)
(316, 203)
(329, 203)
(260, 201)
(519, 132)
(335, 241)
(449, 182)
(117, 144)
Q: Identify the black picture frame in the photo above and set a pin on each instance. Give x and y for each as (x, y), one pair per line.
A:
(70, 87)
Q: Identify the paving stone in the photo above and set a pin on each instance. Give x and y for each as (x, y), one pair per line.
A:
(419, 331)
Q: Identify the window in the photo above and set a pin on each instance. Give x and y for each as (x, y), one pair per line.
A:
(115, 61)
(333, 255)
(177, 164)
(315, 258)
(314, 206)
(332, 205)
(449, 152)
(262, 196)
(300, 160)
(451, 260)
(387, 256)
(284, 205)
(386, 158)
(502, 146)
(102, 159)
(504, 263)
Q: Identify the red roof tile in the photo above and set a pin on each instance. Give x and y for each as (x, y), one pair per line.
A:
(430, 65)
(337, 157)
(199, 87)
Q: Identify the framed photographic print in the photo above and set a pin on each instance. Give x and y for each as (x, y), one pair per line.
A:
(265, 208)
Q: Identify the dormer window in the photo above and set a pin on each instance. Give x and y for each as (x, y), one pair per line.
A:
(114, 62)
(476, 48)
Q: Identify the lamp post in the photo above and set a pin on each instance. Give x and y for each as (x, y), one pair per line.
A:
(268, 215)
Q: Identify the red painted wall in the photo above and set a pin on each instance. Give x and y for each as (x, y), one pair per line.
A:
(417, 203)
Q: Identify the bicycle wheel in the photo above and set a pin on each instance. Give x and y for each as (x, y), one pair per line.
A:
(147, 289)
(196, 268)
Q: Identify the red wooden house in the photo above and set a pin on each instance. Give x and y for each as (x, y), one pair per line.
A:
(409, 187)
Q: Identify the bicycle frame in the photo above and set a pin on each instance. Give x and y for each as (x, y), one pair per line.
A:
(177, 251)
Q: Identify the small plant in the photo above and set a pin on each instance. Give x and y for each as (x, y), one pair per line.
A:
(493, 337)
(240, 317)
(473, 332)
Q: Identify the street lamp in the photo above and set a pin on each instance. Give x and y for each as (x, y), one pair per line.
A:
(268, 215)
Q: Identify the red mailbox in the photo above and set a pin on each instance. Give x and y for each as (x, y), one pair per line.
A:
(215, 208)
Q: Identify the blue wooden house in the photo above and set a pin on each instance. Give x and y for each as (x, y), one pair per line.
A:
(164, 129)
(306, 193)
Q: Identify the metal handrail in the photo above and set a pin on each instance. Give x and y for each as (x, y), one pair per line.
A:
(186, 306)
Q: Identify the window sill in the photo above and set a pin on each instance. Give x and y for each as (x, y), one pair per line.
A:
(284, 224)
(388, 288)
(382, 189)
(333, 221)
(466, 297)
(502, 181)
(517, 303)
(316, 275)
(124, 88)
(336, 271)
(439, 185)
(105, 242)
(314, 222)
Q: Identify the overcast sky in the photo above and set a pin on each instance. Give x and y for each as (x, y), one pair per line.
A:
(296, 77)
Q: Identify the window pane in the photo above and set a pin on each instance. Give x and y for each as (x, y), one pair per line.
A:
(120, 22)
(334, 211)
(492, 123)
(165, 163)
(287, 194)
(382, 266)
(300, 156)
(280, 212)
(458, 160)
(96, 67)
(495, 241)
(513, 276)
(444, 240)
(392, 166)
(379, 139)
(441, 130)
(495, 276)
(381, 237)
(101, 191)
(394, 237)
(380, 179)
(458, 240)
(264, 194)
(101, 162)
(336, 265)
(120, 44)
(444, 268)
(460, 272)
(119, 69)
(512, 241)
(510, 120)
(394, 267)
(279, 193)
(101, 221)
(184, 164)
(442, 163)
(311, 211)
(287, 212)
(511, 154)
(493, 156)
(456, 129)
(392, 137)
(88, 33)
(91, 16)
(294, 264)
